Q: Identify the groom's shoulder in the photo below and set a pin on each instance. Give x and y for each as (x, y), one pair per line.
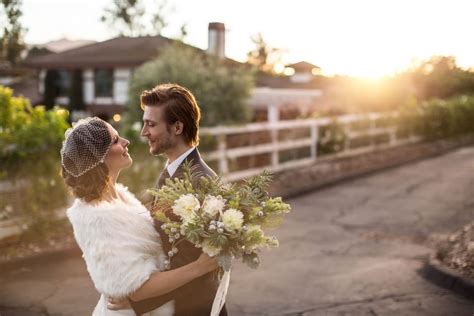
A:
(205, 170)
(199, 165)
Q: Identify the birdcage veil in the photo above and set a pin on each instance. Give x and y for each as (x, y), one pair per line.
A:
(85, 146)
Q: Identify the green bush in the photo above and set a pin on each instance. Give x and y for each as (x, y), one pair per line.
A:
(331, 138)
(30, 140)
(432, 120)
(27, 131)
(446, 118)
(408, 121)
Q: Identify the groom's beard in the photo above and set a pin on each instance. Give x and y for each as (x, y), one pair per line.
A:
(162, 145)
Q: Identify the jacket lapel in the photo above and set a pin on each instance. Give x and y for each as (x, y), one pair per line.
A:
(193, 158)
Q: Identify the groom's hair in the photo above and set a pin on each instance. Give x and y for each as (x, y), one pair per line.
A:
(179, 105)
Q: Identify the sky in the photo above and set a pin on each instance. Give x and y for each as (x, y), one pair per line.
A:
(368, 38)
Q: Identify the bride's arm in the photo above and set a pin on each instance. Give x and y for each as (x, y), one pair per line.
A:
(161, 283)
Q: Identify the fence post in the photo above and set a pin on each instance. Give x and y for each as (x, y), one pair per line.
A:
(273, 119)
(394, 131)
(274, 134)
(393, 136)
(371, 130)
(314, 140)
(347, 139)
(222, 145)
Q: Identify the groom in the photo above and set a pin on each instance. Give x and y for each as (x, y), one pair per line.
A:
(171, 125)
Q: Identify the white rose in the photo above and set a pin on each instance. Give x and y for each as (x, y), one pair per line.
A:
(213, 205)
(210, 249)
(185, 206)
(232, 219)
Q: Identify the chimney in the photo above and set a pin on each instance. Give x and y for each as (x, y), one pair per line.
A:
(216, 39)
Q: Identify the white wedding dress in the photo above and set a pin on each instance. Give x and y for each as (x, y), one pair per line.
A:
(120, 246)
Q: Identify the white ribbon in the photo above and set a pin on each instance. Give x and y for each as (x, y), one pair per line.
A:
(219, 300)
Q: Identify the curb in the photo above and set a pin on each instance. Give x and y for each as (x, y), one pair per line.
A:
(443, 276)
(45, 256)
(314, 180)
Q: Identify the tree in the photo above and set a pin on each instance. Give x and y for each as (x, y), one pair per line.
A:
(222, 91)
(441, 77)
(264, 56)
(132, 18)
(11, 37)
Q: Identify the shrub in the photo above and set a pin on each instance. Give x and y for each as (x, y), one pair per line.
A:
(30, 140)
(221, 89)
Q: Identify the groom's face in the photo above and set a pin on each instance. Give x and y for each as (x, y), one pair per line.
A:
(156, 130)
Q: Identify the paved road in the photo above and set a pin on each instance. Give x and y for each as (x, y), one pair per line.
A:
(350, 249)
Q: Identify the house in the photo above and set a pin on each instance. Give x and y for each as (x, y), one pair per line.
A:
(290, 96)
(100, 73)
(23, 79)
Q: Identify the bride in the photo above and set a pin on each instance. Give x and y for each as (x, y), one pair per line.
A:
(114, 230)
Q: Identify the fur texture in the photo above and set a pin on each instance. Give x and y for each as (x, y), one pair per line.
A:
(119, 244)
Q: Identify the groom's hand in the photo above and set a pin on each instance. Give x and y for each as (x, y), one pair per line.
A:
(117, 304)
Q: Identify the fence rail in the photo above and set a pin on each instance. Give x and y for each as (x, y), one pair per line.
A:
(370, 130)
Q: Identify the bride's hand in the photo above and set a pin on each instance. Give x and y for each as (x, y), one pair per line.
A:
(117, 304)
(207, 263)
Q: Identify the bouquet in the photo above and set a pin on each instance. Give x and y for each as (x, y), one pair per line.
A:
(225, 220)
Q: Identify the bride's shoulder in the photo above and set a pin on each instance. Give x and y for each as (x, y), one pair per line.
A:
(81, 210)
(126, 194)
(135, 205)
(122, 188)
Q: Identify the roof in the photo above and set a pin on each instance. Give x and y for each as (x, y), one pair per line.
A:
(303, 66)
(63, 45)
(134, 51)
(116, 52)
(113, 53)
(284, 82)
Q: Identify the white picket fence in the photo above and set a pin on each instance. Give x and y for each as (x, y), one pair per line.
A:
(222, 154)
(226, 153)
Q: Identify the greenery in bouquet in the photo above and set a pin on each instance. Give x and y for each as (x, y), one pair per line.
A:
(225, 220)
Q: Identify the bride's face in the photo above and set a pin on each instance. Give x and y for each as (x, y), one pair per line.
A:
(117, 157)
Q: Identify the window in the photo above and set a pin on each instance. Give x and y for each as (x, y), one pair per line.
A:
(104, 82)
(63, 83)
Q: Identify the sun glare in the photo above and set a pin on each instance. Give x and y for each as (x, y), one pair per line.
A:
(364, 38)
(373, 39)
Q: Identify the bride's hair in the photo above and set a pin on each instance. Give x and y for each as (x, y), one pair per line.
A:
(91, 185)
(83, 153)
